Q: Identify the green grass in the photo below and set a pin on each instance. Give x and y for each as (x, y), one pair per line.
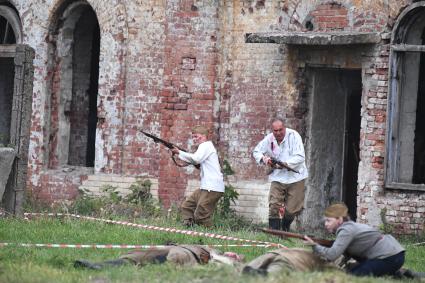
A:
(19, 264)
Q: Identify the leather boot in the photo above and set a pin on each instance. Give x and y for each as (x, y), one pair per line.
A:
(286, 221)
(81, 263)
(274, 223)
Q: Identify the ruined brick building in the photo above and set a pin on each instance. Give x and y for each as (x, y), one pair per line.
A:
(349, 75)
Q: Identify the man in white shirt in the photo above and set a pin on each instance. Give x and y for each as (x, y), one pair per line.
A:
(200, 205)
(286, 198)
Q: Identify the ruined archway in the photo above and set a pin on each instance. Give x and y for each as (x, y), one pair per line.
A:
(75, 72)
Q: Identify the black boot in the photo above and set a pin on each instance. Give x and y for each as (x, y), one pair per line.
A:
(286, 221)
(81, 263)
(274, 223)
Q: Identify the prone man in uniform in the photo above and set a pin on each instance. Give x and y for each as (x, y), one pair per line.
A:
(200, 205)
(184, 255)
(287, 187)
(286, 259)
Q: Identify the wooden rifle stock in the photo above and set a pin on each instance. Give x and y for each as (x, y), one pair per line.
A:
(283, 234)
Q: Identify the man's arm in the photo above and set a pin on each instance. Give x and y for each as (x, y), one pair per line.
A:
(202, 153)
(297, 154)
(260, 150)
(341, 243)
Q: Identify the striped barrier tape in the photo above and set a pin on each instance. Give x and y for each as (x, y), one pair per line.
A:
(108, 246)
(156, 228)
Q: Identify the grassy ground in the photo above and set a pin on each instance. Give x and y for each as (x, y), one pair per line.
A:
(18, 264)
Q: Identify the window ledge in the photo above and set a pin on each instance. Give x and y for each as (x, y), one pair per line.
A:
(405, 186)
(314, 38)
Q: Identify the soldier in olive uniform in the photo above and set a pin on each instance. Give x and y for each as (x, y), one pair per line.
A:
(285, 259)
(185, 255)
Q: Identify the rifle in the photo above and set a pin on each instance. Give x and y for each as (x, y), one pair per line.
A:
(283, 234)
(170, 146)
(161, 141)
(282, 164)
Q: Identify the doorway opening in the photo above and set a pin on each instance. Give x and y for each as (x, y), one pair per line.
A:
(334, 137)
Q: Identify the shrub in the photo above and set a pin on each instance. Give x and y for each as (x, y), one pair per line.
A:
(139, 203)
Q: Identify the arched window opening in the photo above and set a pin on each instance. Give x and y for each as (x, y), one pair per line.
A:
(405, 166)
(83, 114)
(75, 73)
(10, 25)
(7, 35)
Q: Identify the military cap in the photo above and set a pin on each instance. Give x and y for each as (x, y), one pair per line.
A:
(200, 130)
(336, 210)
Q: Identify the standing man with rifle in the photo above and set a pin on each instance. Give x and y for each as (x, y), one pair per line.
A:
(283, 151)
(200, 205)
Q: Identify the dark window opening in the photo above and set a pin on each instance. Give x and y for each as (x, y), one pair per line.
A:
(7, 71)
(7, 36)
(83, 112)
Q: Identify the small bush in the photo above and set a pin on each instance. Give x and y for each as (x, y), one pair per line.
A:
(230, 196)
(225, 216)
(139, 203)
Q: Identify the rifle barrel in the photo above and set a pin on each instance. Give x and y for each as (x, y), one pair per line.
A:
(282, 234)
(164, 142)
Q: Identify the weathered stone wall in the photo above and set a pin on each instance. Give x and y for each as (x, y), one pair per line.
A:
(168, 65)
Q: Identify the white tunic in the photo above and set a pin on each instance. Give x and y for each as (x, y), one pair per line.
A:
(206, 156)
(290, 150)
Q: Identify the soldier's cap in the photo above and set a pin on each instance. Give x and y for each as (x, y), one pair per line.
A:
(336, 210)
(200, 130)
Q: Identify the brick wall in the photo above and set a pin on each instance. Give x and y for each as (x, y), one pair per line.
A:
(327, 17)
(188, 94)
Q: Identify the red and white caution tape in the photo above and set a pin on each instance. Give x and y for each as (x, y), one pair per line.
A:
(163, 229)
(100, 246)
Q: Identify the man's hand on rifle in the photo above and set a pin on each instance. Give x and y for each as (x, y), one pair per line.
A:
(309, 241)
(175, 150)
(267, 160)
